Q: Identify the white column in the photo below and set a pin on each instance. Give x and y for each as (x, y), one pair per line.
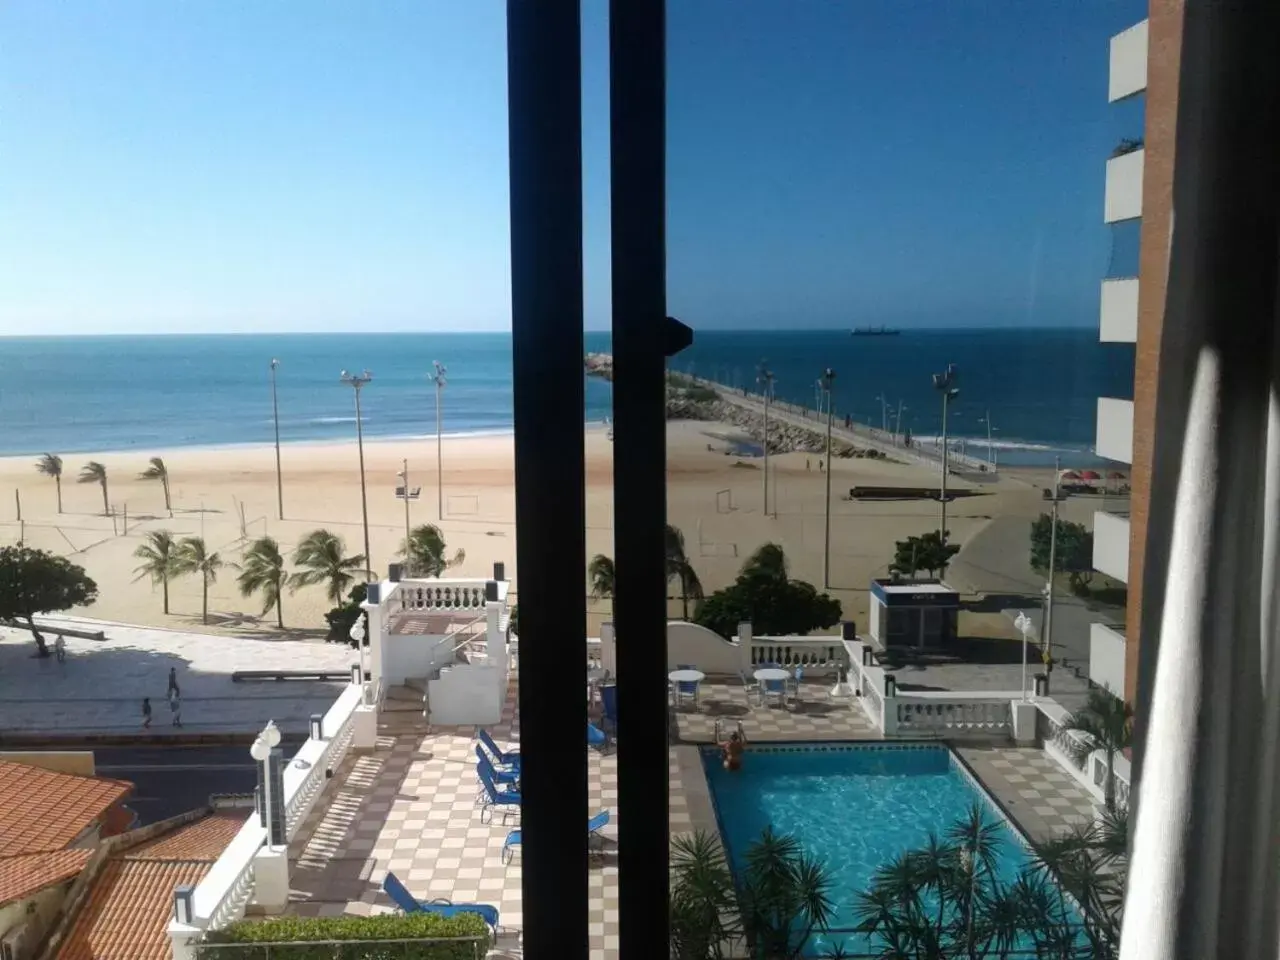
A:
(495, 639)
(608, 649)
(377, 622)
(1024, 722)
(182, 939)
(271, 879)
(744, 647)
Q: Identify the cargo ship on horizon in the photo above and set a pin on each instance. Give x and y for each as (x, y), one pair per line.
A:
(874, 332)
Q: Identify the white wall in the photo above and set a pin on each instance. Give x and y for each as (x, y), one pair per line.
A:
(1128, 74)
(1106, 657)
(710, 652)
(1119, 316)
(1115, 429)
(1111, 545)
(1123, 200)
(467, 694)
(414, 657)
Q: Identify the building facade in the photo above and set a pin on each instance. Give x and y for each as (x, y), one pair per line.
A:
(1139, 196)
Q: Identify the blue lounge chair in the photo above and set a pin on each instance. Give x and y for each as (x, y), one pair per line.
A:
(508, 799)
(505, 777)
(596, 737)
(502, 758)
(609, 702)
(411, 904)
(594, 840)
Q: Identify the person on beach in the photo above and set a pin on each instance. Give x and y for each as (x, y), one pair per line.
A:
(732, 750)
(146, 713)
(173, 692)
(60, 649)
(819, 465)
(807, 464)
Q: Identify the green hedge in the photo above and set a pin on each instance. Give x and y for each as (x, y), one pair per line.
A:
(264, 939)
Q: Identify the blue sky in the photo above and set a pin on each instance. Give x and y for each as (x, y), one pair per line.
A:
(245, 166)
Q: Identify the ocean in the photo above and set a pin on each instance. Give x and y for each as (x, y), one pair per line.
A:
(81, 394)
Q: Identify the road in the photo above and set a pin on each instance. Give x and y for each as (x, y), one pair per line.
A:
(172, 780)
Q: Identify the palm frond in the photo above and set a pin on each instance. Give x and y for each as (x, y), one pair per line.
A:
(157, 470)
(158, 554)
(92, 472)
(50, 465)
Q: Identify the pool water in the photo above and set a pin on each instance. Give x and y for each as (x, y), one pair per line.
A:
(854, 807)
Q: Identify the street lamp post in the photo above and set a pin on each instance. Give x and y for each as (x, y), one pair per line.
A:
(404, 476)
(1025, 626)
(1046, 647)
(884, 414)
(438, 379)
(828, 381)
(765, 379)
(260, 750)
(945, 383)
(991, 455)
(275, 414)
(357, 382)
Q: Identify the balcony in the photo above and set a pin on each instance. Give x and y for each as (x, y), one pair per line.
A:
(1111, 545)
(1118, 320)
(1106, 657)
(1123, 199)
(1115, 429)
(1128, 73)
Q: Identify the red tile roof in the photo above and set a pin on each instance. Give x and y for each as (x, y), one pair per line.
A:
(29, 873)
(126, 915)
(42, 810)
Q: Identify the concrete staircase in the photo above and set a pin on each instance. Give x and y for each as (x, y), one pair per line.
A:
(404, 710)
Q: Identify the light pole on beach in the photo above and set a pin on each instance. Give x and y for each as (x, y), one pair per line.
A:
(1046, 645)
(404, 477)
(991, 452)
(357, 382)
(945, 383)
(438, 379)
(765, 379)
(884, 414)
(828, 382)
(275, 414)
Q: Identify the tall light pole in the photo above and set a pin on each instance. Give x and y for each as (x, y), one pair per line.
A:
(764, 377)
(991, 454)
(897, 423)
(275, 413)
(404, 475)
(884, 414)
(945, 383)
(1046, 648)
(438, 379)
(828, 381)
(357, 381)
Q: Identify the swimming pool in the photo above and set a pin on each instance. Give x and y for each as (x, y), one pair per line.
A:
(854, 806)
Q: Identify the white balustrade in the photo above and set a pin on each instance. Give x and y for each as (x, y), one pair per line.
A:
(941, 715)
(429, 594)
(304, 778)
(220, 897)
(809, 653)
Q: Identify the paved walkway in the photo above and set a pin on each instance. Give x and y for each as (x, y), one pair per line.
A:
(99, 689)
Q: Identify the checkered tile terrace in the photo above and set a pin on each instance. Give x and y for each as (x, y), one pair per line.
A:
(410, 808)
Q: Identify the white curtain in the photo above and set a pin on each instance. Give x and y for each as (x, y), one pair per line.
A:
(1205, 861)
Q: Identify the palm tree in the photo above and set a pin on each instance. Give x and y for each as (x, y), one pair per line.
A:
(194, 557)
(679, 567)
(94, 472)
(51, 466)
(1106, 723)
(600, 576)
(424, 552)
(158, 555)
(158, 471)
(322, 557)
(768, 561)
(263, 569)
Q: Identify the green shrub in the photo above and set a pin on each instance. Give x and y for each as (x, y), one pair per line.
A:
(255, 935)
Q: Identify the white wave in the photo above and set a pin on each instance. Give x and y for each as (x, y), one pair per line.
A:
(335, 420)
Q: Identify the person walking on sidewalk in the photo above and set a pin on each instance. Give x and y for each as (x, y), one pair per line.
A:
(172, 690)
(60, 648)
(146, 713)
(175, 708)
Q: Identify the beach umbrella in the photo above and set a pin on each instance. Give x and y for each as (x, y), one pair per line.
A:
(1068, 475)
(1090, 475)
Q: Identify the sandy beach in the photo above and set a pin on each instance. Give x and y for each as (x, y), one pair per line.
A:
(714, 497)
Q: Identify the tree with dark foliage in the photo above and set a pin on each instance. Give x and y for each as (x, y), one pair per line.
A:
(36, 581)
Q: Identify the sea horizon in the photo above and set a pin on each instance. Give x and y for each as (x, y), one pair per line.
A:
(150, 392)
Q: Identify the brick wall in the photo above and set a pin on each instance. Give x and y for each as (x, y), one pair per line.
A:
(1165, 44)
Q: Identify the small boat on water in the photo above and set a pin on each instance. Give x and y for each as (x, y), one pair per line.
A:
(874, 332)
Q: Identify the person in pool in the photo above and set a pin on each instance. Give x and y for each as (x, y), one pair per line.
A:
(732, 750)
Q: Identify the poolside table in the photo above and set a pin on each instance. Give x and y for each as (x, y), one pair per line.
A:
(766, 675)
(686, 676)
